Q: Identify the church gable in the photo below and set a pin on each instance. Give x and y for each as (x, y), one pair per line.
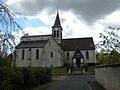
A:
(78, 54)
(53, 54)
(52, 43)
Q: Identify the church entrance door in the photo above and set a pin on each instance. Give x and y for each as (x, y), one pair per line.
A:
(77, 58)
(78, 62)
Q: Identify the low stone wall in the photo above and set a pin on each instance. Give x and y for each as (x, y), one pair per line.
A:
(108, 76)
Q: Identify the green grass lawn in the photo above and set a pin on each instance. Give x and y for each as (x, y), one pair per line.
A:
(64, 70)
(91, 69)
(58, 70)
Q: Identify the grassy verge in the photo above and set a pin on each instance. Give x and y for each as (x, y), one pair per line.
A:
(59, 70)
(91, 69)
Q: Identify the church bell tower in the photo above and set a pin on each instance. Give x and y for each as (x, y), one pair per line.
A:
(57, 30)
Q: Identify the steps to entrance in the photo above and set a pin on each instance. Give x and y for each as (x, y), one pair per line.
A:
(77, 70)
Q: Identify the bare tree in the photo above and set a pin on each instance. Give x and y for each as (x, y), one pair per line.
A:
(110, 40)
(8, 24)
(110, 45)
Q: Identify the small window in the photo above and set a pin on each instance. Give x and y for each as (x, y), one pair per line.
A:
(51, 54)
(29, 54)
(68, 55)
(29, 49)
(14, 57)
(49, 43)
(37, 54)
(54, 33)
(87, 55)
(23, 53)
(57, 33)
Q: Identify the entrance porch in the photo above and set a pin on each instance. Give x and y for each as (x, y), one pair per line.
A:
(78, 59)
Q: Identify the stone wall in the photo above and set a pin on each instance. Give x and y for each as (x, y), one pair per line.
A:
(45, 59)
(57, 59)
(29, 58)
(108, 76)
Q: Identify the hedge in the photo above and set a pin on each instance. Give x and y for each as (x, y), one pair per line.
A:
(23, 78)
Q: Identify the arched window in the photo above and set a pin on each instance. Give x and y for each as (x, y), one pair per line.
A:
(57, 33)
(37, 54)
(54, 33)
(29, 54)
(87, 55)
(68, 56)
(23, 53)
(49, 43)
(51, 54)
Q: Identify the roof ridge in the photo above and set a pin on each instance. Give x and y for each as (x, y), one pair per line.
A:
(35, 40)
(77, 38)
(37, 35)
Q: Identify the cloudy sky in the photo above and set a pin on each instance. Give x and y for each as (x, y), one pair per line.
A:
(79, 18)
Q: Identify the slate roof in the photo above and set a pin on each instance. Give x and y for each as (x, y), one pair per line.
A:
(81, 43)
(32, 44)
(66, 45)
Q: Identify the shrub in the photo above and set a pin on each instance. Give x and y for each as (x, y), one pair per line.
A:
(20, 78)
(6, 75)
(5, 61)
(11, 78)
(17, 80)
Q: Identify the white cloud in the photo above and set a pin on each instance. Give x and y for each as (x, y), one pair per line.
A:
(72, 26)
(114, 17)
(37, 31)
(89, 10)
(73, 23)
(31, 31)
(9, 2)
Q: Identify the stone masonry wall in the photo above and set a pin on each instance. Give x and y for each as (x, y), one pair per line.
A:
(57, 59)
(108, 76)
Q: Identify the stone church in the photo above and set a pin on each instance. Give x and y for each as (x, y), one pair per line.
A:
(53, 51)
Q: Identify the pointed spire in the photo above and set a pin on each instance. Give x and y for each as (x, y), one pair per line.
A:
(57, 21)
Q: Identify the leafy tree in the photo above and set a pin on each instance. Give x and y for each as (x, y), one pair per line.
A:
(104, 58)
(114, 57)
(110, 46)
